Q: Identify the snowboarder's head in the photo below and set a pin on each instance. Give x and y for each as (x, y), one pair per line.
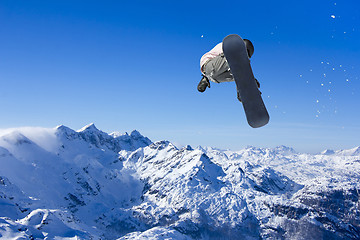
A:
(249, 47)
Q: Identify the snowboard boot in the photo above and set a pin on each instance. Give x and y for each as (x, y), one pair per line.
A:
(249, 47)
(257, 84)
(203, 84)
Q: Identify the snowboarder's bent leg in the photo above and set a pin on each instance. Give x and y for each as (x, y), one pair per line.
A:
(218, 70)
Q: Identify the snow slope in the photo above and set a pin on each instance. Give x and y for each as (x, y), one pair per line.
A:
(86, 184)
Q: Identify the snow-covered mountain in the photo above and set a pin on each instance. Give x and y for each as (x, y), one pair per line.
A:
(86, 184)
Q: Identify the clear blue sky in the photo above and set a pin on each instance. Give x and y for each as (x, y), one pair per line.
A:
(127, 65)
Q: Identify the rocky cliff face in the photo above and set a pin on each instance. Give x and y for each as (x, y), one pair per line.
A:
(61, 183)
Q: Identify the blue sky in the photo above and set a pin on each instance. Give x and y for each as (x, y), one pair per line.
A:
(127, 65)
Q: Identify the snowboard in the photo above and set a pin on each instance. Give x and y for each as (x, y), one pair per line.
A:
(236, 55)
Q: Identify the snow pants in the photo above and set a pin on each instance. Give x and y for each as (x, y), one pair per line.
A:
(217, 70)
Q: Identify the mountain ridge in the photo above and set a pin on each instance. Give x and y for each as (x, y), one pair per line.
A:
(87, 184)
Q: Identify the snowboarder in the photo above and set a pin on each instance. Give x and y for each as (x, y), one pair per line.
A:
(215, 68)
(230, 61)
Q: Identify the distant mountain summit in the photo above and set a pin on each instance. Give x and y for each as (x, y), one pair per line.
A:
(89, 128)
(328, 152)
(87, 184)
(350, 152)
(114, 141)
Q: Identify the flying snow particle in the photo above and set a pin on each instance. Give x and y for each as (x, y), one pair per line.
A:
(333, 16)
(34, 199)
(317, 101)
(202, 36)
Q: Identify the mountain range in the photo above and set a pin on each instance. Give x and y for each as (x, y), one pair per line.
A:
(60, 183)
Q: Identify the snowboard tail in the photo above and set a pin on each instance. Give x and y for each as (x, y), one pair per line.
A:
(236, 55)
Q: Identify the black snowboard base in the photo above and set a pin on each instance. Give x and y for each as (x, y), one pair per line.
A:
(236, 55)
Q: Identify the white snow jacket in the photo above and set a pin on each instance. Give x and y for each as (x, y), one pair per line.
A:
(217, 50)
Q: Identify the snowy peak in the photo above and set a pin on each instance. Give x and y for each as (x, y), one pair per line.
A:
(279, 150)
(22, 147)
(89, 128)
(63, 128)
(66, 132)
(133, 141)
(284, 150)
(181, 178)
(188, 148)
(161, 145)
(91, 134)
(114, 141)
(16, 138)
(350, 152)
(136, 134)
(96, 137)
(328, 152)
